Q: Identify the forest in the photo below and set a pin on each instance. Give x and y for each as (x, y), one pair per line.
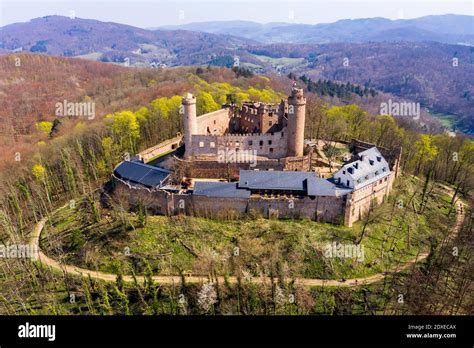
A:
(64, 160)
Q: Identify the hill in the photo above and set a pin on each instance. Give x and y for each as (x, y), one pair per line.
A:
(421, 72)
(113, 42)
(444, 28)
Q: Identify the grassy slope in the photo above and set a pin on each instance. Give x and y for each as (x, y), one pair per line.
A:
(295, 247)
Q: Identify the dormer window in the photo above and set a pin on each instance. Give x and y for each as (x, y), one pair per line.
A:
(371, 162)
(379, 159)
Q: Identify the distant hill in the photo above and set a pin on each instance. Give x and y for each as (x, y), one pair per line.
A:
(457, 29)
(421, 72)
(411, 66)
(113, 42)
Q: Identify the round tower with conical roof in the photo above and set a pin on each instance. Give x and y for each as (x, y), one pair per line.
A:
(296, 121)
(189, 123)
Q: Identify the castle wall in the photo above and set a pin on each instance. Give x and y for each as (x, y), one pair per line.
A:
(296, 163)
(359, 201)
(215, 206)
(156, 201)
(216, 170)
(268, 145)
(160, 149)
(247, 120)
(215, 123)
(323, 209)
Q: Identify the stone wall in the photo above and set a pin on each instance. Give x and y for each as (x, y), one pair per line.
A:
(269, 145)
(323, 209)
(216, 170)
(297, 163)
(160, 149)
(359, 201)
(215, 123)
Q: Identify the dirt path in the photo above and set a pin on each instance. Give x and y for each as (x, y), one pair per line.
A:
(110, 277)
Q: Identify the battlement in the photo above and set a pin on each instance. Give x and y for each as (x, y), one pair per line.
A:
(189, 99)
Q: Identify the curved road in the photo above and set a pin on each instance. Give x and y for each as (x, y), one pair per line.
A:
(110, 277)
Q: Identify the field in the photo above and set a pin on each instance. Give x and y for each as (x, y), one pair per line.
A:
(447, 120)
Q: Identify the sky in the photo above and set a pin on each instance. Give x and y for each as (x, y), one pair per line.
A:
(155, 13)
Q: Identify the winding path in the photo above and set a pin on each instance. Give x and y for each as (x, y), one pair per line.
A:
(170, 280)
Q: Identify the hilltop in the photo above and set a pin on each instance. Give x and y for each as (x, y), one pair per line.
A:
(443, 28)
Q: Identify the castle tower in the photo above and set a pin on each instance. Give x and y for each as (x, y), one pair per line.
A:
(296, 121)
(189, 123)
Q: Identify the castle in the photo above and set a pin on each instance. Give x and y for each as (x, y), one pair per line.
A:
(273, 178)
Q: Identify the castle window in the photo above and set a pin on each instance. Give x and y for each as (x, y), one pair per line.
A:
(201, 144)
(282, 134)
(347, 182)
(269, 142)
(371, 162)
(212, 144)
(379, 159)
(270, 123)
(271, 150)
(214, 121)
(250, 142)
(366, 177)
(343, 172)
(237, 144)
(384, 169)
(261, 142)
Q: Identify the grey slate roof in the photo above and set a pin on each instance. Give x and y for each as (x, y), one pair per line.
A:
(324, 187)
(219, 190)
(370, 167)
(274, 180)
(140, 173)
